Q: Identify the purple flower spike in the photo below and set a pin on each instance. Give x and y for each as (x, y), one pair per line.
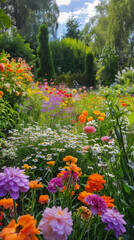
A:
(114, 220)
(14, 181)
(97, 204)
(55, 181)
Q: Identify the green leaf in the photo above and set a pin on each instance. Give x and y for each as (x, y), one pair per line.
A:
(5, 19)
(126, 188)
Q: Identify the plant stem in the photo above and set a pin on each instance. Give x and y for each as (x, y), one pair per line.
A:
(84, 229)
(15, 213)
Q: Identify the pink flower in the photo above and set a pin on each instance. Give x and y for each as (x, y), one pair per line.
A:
(105, 138)
(85, 148)
(89, 129)
(97, 204)
(56, 223)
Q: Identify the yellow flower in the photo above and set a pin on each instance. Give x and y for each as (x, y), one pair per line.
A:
(74, 91)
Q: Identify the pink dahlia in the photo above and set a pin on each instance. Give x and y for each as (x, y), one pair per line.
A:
(97, 204)
(55, 181)
(13, 181)
(106, 138)
(56, 223)
(85, 148)
(89, 129)
(114, 221)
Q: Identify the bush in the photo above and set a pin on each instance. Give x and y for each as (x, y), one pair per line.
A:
(16, 78)
(44, 54)
(125, 77)
(15, 45)
(69, 56)
(89, 70)
(70, 80)
(107, 67)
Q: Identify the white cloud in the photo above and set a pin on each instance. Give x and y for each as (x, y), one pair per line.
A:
(63, 17)
(90, 11)
(63, 2)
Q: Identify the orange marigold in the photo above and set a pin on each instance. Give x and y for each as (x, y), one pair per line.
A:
(85, 113)
(82, 118)
(90, 119)
(82, 196)
(34, 184)
(7, 203)
(108, 201)
(26, 166)
(51, 163)
(94, 184)
(61, 174)
(96, 112)
(24, 229)
(101, 118)
(69, 159)
(43, 199)
(103, 115)
(124, 104)
(1, 93)
(77, 186)
(73, 167)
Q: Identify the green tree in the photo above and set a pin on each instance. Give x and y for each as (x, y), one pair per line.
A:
(108, 65)
(72, 29)
(15, 45)
(44, 54)
(28, 15)
(89, 70)
(5, 21)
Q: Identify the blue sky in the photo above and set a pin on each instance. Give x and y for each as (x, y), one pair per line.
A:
(82, 11)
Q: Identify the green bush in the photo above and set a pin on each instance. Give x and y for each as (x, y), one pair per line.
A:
(69, 56)
(69, 79)
(89, 70)
(8, 117)
(44, 54)
(108, 65)
(15, 45)
(125, 77)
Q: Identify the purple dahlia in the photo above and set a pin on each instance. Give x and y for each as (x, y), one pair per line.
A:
(14, 181)
(97, 204)
(55, 181)
(114, 220)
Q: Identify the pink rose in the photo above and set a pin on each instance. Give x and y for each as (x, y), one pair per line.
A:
(89, 129)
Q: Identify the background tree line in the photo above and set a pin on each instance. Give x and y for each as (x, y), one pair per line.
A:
(108, 38)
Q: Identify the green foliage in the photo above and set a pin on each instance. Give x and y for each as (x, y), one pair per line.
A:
(90, 70)
(4, 20)
(107, 67)
(69, 79)
(16, 46)
(125, 77)
(28, 15)
(7, 117)
(69, 55)
(44, 54)
(72, 30)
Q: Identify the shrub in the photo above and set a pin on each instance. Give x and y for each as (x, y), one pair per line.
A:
(15, 45)
(125, 77)
(107, 67)
(69, 56)
(44, 54)
(16, 78)
(89, 70)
